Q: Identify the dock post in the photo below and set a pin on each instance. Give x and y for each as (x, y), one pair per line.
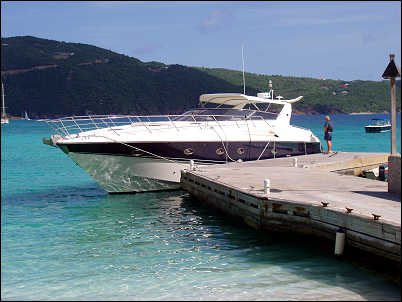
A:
(267, 184)
(294, 162)
(339, 242)
(192, 165)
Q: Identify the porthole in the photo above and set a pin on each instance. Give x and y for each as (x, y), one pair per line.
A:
(220, 151)
(240, 151)
(188, 151)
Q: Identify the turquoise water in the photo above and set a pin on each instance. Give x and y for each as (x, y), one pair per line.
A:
(64, 238)
(349, 134)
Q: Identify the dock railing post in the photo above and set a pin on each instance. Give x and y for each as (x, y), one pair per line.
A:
(391, 72)
(192, 167)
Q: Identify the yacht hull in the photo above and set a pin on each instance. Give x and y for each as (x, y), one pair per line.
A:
(371, 129)
(133, 169)
(124, 174)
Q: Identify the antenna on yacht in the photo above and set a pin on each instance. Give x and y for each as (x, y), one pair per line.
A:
(244, 81)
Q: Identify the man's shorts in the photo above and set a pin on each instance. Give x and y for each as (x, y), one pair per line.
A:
(328, 136)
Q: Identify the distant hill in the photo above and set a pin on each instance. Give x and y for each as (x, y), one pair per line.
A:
(50, 78)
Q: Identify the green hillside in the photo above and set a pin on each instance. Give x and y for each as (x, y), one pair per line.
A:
(51, 78)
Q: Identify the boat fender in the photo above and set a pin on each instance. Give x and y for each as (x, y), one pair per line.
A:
(339, 242)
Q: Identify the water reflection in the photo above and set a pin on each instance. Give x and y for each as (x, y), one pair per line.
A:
(165, 246)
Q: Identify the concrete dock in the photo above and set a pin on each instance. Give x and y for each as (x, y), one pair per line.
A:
(319, 197)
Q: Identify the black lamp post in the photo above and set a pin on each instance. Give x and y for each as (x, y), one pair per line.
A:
(391, 72)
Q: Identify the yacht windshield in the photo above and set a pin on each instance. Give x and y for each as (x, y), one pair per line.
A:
(224, 114)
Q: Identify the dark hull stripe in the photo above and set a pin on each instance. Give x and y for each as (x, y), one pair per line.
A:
(377, 129)
(213, 152)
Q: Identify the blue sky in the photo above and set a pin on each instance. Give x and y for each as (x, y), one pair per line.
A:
(334, 40)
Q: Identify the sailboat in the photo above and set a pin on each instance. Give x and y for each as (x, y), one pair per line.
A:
(26, 117)
(4, 118)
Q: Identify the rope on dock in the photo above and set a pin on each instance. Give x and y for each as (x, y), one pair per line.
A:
(263, 150)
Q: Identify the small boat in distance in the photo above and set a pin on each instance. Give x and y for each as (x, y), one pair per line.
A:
(26, 117)
(378, 125)
(4, 118)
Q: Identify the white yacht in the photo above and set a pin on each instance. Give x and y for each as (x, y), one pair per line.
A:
(125, 153)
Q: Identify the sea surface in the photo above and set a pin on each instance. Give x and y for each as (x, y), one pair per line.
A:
(64, 238)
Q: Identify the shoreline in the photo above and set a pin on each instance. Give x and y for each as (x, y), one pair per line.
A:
(368, 112)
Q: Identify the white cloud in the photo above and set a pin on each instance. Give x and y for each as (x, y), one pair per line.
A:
(216, 20)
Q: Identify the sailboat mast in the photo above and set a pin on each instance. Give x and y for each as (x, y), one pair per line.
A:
(3, 108)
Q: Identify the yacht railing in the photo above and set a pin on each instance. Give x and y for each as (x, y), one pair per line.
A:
(73, 125)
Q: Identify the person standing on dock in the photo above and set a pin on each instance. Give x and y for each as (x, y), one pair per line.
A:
(328, 128)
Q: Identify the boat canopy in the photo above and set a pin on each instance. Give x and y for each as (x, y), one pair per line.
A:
(239, 100)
